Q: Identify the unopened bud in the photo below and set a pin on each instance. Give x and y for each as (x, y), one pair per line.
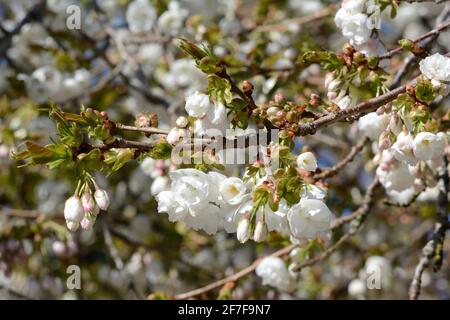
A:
(260, 231)
(102, 199)
(315, 100)
(182, 122)
(88, 202)
(73, 212)
(272, 111)
(247, 87)
(244, 230)
(279, 98)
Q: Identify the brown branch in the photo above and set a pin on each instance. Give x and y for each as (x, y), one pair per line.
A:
(284, 25)
(426, 44)
(139, 129)
(433, 33)
(19, 213)
(233, 277)
(118, 260)
(329, 172)
(433, 250)
(352, 113)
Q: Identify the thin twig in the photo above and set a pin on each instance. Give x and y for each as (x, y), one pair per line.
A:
(433, 250)
(233, 277)
(285, 24)
(432, 33)
(118, 260)
(359, 214)
(329, 172)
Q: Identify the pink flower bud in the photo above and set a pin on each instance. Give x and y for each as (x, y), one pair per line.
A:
(88, 201)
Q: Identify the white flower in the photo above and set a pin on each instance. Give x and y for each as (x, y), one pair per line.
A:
(277, 221)
(436, 67)
(193, 189)
(356, 288)
(307, 161)
(397, 178)
(171, 21)
(148, 166)
(160, 184)
(167, 202)
(233, 190)
(73, 212)
(311, 191)
(208, 219)
(217, 114)
(357, 23)
(197, 105)
(274, 273)
(140, 15)
(402, 149)
(102, 199)
(427, 145)
(149, 56)
(184, 73)
(372, 125)
(309, 218)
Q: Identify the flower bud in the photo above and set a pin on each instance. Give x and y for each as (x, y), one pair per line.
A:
(72, 225)
(272, 111)
(334, 85)
(260, 231)
(73, 212)
(279, 98)
(247, 87)
(176, 134)
(328, 78)
(384, 141)
(244, 230)
(344, 103)
(102, 199)
(88, 201)
(182, 122)
(88, 222)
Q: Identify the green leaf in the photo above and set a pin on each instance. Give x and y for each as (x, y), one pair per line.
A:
(424, 91)
(328, 60)
(219, 88)
(161, 150)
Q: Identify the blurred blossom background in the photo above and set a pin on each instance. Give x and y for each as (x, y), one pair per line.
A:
(124, 58)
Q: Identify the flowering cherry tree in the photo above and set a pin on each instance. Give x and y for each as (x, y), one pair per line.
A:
(180, 149)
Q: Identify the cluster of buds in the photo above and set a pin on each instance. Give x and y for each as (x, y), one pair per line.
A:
(283, 114)
(83, 207)
(247, 228)
(337, 91)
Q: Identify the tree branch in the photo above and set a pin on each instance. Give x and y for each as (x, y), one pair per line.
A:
(329, 172)
(433, 250)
